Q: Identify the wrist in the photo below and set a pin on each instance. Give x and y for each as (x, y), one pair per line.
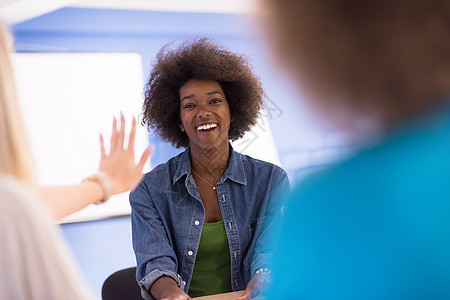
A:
(263, 276)
(102, 180)
(165, 287)
(263, 271)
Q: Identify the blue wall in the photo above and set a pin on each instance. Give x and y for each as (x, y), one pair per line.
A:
(102, 247)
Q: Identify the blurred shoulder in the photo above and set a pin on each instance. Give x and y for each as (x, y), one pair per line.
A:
(16, 195)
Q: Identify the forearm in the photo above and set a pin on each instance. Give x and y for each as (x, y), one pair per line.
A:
(166, 288)
(64, 200)
(118, 173)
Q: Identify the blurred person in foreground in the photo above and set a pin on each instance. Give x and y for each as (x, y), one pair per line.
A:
(34, 261)
(375, 226)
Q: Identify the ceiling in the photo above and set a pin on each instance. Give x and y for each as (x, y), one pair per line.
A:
(16, 11)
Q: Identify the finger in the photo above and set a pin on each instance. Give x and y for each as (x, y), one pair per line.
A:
(132, 135)
(113, 134)
(246, 295)
(121, 131)
(145, 157)
(102, 146)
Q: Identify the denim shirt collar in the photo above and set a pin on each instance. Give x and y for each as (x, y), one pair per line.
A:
(235, 169)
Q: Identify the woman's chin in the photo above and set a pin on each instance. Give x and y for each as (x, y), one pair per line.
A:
(207, 143)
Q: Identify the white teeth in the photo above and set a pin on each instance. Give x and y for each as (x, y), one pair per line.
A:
(206, 126)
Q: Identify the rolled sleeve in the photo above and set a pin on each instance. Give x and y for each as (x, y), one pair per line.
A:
(148, 280)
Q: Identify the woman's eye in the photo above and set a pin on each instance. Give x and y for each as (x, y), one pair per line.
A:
(213, 101)
(189, 106)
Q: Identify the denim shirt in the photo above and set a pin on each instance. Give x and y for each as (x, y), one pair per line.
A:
(167, 218)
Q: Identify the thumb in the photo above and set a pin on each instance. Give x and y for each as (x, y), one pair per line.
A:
(145, 156)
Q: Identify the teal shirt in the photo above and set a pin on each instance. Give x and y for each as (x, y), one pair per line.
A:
(374, 227)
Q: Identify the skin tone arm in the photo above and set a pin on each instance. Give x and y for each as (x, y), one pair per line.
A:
(119, 166)
(165, 288)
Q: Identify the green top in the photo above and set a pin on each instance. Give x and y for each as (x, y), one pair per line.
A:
(212, 270)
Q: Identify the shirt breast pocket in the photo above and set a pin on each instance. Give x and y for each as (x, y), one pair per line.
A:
(252, 228)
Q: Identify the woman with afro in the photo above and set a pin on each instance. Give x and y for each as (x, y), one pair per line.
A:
(201, 221)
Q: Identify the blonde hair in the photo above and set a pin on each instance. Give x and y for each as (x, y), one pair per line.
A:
(15, 157)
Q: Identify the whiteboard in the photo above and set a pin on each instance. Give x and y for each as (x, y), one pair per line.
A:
(67, 99)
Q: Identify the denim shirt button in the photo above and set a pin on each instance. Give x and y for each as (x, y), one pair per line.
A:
(197, 222)
(190, 253)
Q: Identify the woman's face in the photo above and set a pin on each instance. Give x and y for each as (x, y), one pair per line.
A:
(204, 113)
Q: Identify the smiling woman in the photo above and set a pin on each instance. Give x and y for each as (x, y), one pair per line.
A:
(200, 221)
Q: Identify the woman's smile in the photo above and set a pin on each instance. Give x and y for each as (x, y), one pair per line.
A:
(204, 113)
(208, 127)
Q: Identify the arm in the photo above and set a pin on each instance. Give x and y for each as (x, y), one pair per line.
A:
(166, 288)
(155, 256)
(262, 252)
(120, 169)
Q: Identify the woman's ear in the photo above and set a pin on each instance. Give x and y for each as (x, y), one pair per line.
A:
(181, 127)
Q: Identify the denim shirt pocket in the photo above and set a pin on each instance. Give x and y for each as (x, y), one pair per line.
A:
(252, 228)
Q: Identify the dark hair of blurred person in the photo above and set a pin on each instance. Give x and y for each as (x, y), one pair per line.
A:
(384, 59)
(376, 225)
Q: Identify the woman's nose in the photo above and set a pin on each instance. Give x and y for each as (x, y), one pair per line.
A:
(203, 111)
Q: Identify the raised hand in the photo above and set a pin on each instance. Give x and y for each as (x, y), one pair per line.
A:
(119, 165)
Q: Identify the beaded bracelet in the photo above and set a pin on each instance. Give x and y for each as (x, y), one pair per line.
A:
(265, 270)
(104, 183)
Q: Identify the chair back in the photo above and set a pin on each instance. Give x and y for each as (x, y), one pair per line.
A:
(122, 285)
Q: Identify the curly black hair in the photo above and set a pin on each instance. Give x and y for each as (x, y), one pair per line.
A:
(200, 59)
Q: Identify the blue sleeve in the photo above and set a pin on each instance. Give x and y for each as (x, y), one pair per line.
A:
(155, 255)
(263, 245)
(341, 239)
